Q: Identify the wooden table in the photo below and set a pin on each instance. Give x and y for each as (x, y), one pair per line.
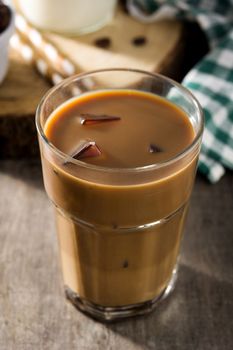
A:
(34, 313)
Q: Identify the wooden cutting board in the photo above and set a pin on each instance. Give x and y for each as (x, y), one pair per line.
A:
(23, 88)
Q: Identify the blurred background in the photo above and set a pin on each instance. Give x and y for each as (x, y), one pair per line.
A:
(55, 39)
(44, 41)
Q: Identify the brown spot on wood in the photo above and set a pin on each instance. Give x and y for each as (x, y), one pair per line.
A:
(103, 43)
(139, 41)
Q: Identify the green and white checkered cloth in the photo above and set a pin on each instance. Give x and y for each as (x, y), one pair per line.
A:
(211, 80)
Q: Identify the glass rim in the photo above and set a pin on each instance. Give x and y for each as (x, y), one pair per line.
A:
(144, 168)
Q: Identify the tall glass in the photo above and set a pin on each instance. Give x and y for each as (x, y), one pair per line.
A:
(119, 230)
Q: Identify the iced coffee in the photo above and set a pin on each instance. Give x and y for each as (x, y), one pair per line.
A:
(120, 181)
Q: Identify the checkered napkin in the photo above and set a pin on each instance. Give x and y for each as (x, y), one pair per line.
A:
(211, 80)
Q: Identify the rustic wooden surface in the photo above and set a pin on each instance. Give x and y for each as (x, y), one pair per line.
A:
(23, 88)
(20, 94)
(34, 313)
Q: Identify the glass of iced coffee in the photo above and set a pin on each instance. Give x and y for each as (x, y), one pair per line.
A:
(119, 150)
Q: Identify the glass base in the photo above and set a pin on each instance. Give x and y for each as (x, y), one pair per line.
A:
(109, 314)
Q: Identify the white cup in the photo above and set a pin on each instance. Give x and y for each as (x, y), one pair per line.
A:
(69, 16)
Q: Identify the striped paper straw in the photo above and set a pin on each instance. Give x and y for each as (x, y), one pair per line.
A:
(29, 56)
(48, 60)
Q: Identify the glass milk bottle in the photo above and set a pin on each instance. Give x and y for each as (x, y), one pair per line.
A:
(70, 16)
